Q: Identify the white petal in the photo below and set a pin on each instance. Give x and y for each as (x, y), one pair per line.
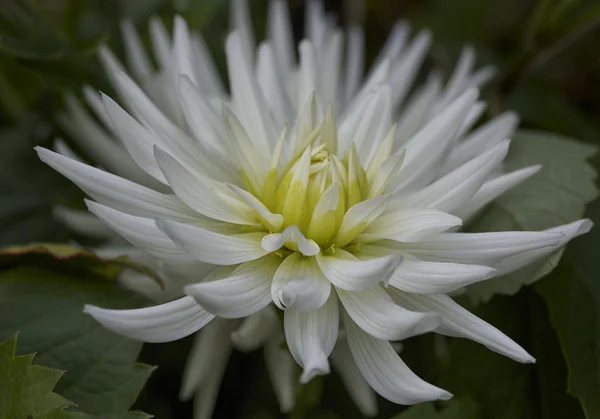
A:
(209, 353)
(385, 372)
(202, 194)
(211, 247)
(451, 191)
(115, 191)
(307, 76)
(459, 78)
(409, 62)
(457, 321)
(163, 323)
(82, 222)
(282, 372)
(182, 53)
(290, 235)
(422, 277)
(480, 248)
(240, 22)
(255, 330)
(482, 139)
(96, 142)
(269, 220)
(311, 336)
(204, 120)
(135, 53)
(246, 291)
(281, 35)
(358, 217)
(299, 284)
(368, 130)
(160, 42)
(569, 232)
(271, 84)
(355, 275)
(248, 102)
(408, 225)
(355, 61)
(205, 68)
(419, 108)
(140, 232)
(165, 133)
(375, 312)
(360, 392)
(208, 389)
(493, 188)
(427, 146)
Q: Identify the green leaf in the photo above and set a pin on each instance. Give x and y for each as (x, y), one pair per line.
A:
(456, 409)
(25, 389)
(556, 195)
(45, 307)
(79, 259)
(502, 387)
(572, 295)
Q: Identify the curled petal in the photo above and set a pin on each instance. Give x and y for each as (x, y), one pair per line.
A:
(162, 323)
(385, 372)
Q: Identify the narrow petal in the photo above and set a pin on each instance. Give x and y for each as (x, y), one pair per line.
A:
(210, 350)
(482, 139)
(348, 273)
(255, 330)
(160, 42)
(248, 102)
(410, 225)
(360, 392)
(216, 358)
(355, 62)
(425, 149)
(82, 222)
(300, 284)
(569, 232)
(137, 58)
(410, 61)
(423, 277)
(375, 312)
(492, 189)
(162, 323)
(282, 372)
(457, 321)
(98, 144)
(419, 107)
(140, 232)
(202, 194)
(115, 191)
(480, 248)
(358, 217)
(246, 291)
(210, 247)
(311, 336)
(281, 35)
(451, 191)
(385, 372)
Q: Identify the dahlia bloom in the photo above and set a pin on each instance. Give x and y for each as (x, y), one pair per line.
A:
(309, 190)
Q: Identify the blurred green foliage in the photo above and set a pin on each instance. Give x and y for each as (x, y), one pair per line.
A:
(548, 71)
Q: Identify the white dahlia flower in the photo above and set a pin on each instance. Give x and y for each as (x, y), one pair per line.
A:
(308, 190)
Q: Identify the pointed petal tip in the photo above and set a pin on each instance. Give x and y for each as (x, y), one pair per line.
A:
(314, 370)
(585, 225)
